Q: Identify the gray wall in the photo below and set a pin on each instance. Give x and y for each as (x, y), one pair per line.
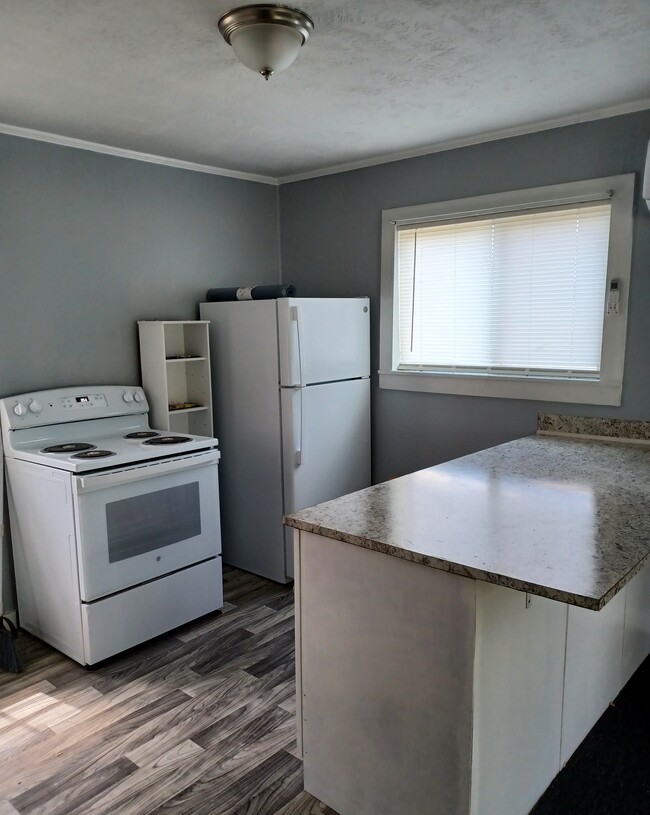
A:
(91, 243)
(330, 237)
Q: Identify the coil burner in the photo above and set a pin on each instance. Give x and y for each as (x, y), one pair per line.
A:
(94, 454)
(160, 440)
(68, 447)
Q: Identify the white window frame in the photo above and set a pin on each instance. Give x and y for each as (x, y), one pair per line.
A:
(604, 391)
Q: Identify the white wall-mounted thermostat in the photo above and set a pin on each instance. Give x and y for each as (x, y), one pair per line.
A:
(613, 296)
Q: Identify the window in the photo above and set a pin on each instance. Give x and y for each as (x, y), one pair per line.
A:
(510, 295)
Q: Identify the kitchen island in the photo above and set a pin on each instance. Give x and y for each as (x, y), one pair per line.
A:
(459, 630)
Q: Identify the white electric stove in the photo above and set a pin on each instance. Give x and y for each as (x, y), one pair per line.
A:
(115, 526)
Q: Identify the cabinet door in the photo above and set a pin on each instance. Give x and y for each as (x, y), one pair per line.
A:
(518, 677)
(593, 668)
(636, 639)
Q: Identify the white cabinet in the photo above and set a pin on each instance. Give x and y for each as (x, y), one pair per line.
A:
(385, 707)
(636, 639)
(175, 365)
(592, 669)
(518, 679)
(427, 692)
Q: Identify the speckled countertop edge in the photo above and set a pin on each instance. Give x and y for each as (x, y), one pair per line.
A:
(497, 578)
(594, 427)
(595, 601)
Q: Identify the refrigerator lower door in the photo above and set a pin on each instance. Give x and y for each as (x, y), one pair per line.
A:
(326, 444)
(323, 339)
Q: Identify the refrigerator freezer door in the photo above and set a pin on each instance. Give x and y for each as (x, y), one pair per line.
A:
(326, 440)
(323, 339)
(244, 355)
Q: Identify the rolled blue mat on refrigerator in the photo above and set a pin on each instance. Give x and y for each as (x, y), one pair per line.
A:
(250, 293)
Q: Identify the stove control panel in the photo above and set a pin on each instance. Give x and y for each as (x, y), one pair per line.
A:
(84, 401)
(62, 405)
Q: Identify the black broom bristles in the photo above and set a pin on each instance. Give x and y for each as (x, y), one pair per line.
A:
(9, 655)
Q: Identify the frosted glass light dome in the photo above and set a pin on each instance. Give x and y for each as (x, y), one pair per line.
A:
(266, 38)
(266, 47)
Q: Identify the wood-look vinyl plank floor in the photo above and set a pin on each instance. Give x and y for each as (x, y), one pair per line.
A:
(265, 788)
(240, 617)
(71, 757)
(270, 620)
(304, 804)
(197, 722)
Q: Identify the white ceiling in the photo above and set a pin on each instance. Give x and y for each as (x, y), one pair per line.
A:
(375, 78)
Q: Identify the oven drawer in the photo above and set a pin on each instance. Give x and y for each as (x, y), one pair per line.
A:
(119, 622)
(140, 523)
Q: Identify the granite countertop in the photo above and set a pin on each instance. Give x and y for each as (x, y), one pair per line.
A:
(563, 517)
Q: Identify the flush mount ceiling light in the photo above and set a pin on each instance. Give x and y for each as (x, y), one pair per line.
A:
(266, 37)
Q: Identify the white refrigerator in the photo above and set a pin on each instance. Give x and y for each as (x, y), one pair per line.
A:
(291, 401)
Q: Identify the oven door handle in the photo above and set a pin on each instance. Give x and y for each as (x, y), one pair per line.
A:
(101, 481)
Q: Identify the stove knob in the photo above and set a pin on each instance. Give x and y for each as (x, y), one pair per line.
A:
(138, 396)
(127, 396)
(35, 406)
(20, 409)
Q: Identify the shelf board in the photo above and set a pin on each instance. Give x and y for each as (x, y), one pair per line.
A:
(188, 410)
(185, 359)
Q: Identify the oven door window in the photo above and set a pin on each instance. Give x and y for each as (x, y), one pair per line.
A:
(134, 529)
(152, 521)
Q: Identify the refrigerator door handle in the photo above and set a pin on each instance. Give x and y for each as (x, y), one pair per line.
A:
(297, 456)
(295, 316)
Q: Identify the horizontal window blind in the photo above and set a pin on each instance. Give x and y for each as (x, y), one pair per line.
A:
(519, 292)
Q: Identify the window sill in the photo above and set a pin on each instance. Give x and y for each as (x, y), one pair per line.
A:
(586, 392)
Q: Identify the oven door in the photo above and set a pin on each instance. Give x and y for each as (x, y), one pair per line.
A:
(145, 521)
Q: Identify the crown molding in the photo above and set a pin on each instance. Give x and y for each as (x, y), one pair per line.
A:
(120, 152)
(453, 144)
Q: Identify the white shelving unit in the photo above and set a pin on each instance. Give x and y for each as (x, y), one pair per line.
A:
(175, 365)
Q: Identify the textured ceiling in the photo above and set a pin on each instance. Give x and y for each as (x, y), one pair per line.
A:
(375, 78)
